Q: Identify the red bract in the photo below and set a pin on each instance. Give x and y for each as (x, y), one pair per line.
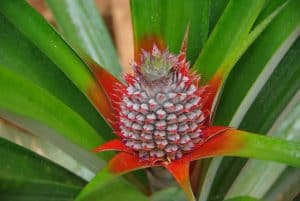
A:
(162, 117)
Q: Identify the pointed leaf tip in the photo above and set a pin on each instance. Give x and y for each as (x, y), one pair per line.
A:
(106, 101)
(180, 171)
(107, 81)
(215, 85)
(99, 99)
(146, 43)
(182, 54)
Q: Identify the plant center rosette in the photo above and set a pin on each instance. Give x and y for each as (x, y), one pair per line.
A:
(162, 116)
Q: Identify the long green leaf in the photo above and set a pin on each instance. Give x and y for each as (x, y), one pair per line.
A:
(268, 9)
(250, 145)
(52, 45)
(38, 31)
(259, 51)
(26, 176)
(16, 189)
(82, 26)
(269, 108)
(227, 37)
(176, 15)
(267, 50)
(161, 18)
(169, 194)
(266, 173)
(287, 186)
(243, 198)
(285, 79)
(217, 8)
(145, 18)
(39, 108)
(19, 54)
(44, 148)
(47, 40)
(104, 187)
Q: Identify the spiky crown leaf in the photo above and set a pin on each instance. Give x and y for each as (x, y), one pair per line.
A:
(156, 64)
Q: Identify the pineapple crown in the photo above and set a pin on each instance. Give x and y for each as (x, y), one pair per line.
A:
(155, 64)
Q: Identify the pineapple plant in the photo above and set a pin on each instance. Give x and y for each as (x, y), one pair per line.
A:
(208, 79)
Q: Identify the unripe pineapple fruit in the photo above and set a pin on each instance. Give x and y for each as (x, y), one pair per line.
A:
(159, 114)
